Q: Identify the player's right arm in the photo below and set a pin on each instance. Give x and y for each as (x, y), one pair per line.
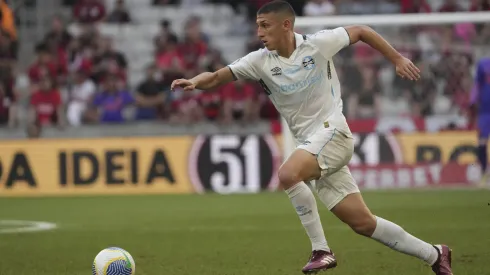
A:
(205, 81)
(243, 68)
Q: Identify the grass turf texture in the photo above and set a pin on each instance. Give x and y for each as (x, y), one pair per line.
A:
(237, 234)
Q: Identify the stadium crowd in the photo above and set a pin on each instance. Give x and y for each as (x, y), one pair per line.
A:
(83, 79)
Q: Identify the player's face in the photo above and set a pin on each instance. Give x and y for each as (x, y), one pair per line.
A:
(271, 29)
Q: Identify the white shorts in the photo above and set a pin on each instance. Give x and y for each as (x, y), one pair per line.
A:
(333, 150)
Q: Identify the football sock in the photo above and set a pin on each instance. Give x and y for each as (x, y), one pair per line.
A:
(398, 239)
(482, 157)
(304, 203)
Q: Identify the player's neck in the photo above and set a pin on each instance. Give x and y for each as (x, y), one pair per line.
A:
(289, 46)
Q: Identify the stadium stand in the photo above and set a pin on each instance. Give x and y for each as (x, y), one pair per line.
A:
(136, 47)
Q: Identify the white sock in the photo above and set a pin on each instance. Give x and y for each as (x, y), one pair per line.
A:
(304, 202)
(398, 239)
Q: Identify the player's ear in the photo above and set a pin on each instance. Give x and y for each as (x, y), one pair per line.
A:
(287, 24)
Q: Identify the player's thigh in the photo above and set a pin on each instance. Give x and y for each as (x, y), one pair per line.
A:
(334, 188)
(332, 148)
(301, 165)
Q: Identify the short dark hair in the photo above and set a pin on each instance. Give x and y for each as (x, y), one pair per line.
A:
(276, 7)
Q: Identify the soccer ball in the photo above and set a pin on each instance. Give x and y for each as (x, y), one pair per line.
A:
(113, 261)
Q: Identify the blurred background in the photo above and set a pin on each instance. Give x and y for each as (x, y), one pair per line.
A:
(135, 48)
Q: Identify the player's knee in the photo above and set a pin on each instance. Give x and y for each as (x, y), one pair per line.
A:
(288, 177)
(364, 226)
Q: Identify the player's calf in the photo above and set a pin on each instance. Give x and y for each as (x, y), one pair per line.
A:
(302, 166)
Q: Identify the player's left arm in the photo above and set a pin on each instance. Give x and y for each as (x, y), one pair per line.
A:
(404, 67)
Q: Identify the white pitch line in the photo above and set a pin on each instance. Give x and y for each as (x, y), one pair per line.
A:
(16, 226)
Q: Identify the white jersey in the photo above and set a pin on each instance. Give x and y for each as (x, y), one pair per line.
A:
(305, 87)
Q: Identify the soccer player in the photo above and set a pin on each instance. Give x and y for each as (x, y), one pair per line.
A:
(480, 102)
(298, 74)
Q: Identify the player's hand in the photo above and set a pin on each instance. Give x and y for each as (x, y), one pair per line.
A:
(185, 84)
(406, 69)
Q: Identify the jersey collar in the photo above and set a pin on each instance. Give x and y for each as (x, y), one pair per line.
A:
(299, 40)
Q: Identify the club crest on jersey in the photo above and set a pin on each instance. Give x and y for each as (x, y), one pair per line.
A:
(308, 63)
(276, 71)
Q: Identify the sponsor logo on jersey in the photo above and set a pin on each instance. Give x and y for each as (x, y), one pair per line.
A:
(294, 69)
(308, 63)
(302, 84)
(276, 71)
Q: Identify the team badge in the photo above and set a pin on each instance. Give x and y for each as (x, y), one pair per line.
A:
(308, 63)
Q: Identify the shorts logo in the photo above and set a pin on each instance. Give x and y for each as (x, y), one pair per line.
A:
(308, 63)
(276, 71)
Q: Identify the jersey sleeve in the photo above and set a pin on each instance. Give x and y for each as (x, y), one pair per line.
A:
(247, 66)
(331, 41)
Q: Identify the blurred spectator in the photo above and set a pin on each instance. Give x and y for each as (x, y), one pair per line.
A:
(108, 106)
(239, 100)
(109, 60)
(211, 103)
(152, 95)
(59, 33)
(80, 95)
(194, 47)
(89, 11)
(8, 56)
(8, 107)
(45, 105)
(171, 61)
(415, 6)
(450, 6)
(80, 58)
(43, 67)
(7, 20)
(365, 103)
(164, 35)
(318, 8)
(185, 108)
(480, 5)
(120, 14)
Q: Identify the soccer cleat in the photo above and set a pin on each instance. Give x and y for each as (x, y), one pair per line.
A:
(443, 263)
(320, 261)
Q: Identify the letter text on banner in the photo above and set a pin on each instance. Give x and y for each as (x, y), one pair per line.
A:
(94, 166)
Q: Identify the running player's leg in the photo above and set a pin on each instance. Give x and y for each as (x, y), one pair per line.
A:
(483, 134)
(301, 166)
(353, 211)
(339, 192)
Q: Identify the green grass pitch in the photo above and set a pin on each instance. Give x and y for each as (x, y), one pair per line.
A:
(237, 234)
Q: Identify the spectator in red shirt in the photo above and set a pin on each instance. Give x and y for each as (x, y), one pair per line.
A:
(44, 66)
(46, 106)
(194, 48)
(239, 100)
(211, 102)
(170, 61)
(185, 108)
(89, 11)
